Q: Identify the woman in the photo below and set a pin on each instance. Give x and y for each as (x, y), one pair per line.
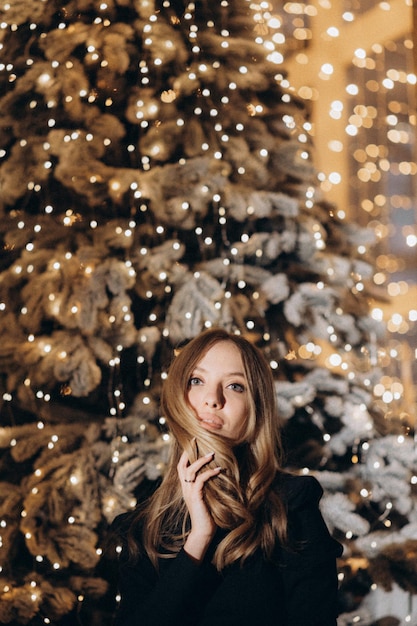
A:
(228, 538)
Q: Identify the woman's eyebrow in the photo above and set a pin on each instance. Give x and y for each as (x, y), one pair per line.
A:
(202, 369)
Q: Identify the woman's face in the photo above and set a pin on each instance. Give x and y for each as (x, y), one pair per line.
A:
(218, 391)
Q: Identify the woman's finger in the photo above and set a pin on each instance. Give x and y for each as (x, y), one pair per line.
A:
(188, 471)
(203, 476)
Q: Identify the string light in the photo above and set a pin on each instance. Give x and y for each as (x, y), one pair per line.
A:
(147, 113)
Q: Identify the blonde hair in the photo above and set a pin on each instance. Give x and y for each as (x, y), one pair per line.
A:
(243, 499)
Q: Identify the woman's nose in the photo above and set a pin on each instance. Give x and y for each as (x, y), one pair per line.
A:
(214, 398)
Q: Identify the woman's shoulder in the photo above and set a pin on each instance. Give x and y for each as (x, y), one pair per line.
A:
(128, 527)
(299, 491)
(122, 522)
(307, 527)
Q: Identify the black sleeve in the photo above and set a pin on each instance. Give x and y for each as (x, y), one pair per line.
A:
(299, 588)
(309, 567)
(169, 597)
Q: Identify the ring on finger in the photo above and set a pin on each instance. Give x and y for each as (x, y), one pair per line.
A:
(189, 481)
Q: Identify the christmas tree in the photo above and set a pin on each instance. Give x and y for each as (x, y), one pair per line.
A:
(157, 178)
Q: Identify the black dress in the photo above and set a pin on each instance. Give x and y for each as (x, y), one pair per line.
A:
(295, 588)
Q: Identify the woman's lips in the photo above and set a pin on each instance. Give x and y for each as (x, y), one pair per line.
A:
(211, 421)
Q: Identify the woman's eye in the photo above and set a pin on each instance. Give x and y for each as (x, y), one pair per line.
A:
(237, 387)
(194, 380)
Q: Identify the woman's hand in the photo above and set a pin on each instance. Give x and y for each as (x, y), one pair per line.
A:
(192, 484)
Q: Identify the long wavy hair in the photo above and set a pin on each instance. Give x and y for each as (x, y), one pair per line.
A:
(244, 499)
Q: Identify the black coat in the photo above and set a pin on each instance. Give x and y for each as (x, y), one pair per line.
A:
(295, 588)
